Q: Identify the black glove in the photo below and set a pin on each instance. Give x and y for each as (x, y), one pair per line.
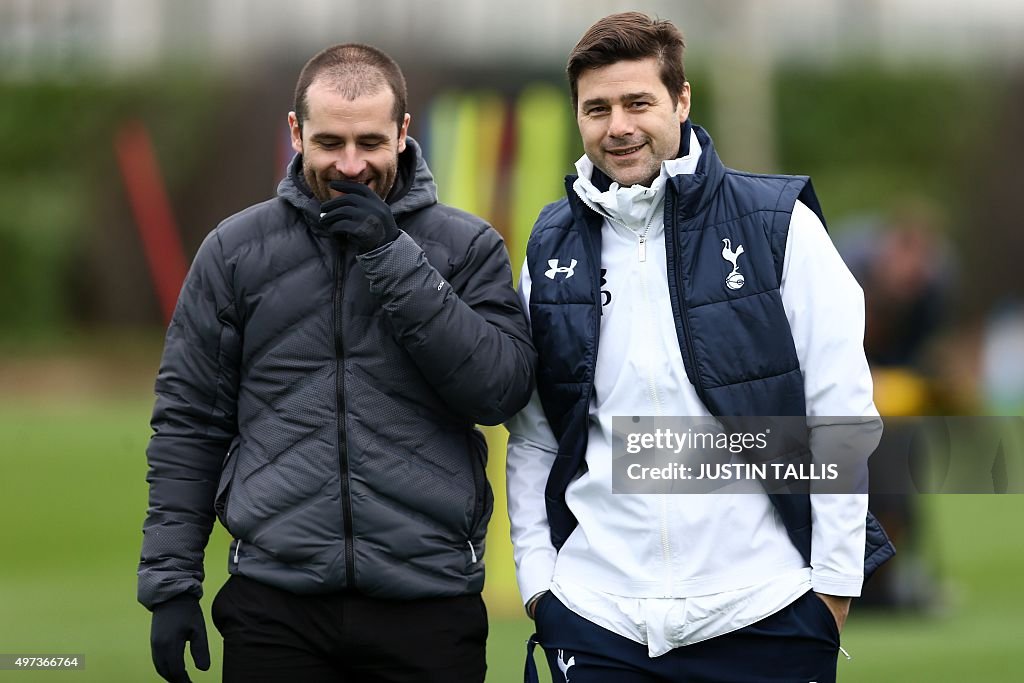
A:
(359, 215)
(175, 621)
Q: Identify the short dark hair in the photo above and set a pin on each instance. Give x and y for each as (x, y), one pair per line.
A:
(629, 36)
(356, 70)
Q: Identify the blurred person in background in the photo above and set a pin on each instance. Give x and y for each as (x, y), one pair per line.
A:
(666, 284)
(331, 351)
(906, 269)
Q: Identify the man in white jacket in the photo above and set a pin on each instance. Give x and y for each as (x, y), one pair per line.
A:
(715, 587)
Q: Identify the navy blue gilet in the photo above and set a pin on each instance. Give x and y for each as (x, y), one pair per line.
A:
(736, 344)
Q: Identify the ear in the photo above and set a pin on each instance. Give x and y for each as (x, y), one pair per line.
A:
(403, 132)
(293, 126)
(683, 104)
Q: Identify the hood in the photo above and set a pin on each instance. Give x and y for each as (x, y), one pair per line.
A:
(414, 187)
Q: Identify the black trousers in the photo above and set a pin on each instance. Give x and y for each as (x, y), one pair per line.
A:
(797, 644)
(272, 635)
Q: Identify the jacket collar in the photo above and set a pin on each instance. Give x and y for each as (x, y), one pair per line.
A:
(693, 190)
(636, 206)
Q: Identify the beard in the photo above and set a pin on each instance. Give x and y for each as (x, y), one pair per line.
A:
(642, 174)
(319, 182)
(639, 171)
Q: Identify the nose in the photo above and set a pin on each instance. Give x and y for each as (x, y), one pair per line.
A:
(620, 124)
(350, 163)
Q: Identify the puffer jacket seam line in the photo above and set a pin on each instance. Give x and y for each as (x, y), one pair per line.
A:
(259, 352)
(274, 459)
(756, 379)
(397, 506)
(267, 403)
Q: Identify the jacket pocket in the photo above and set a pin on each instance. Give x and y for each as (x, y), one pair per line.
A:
(826, 613)
(483, 497)
(227, 474)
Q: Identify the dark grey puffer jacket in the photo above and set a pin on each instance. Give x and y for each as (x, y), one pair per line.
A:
(323, 404)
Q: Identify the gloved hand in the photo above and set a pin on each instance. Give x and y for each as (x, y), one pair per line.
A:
(358, 215)
(175, 621)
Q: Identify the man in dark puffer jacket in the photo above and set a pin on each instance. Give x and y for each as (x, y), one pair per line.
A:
(331, 351)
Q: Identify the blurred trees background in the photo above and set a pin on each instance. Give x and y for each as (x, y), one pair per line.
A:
(870, 137)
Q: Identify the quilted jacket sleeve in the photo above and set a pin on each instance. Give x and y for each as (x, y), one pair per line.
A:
(194, 422)
(468, 336)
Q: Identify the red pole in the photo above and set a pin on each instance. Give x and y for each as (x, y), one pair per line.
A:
(161, 240)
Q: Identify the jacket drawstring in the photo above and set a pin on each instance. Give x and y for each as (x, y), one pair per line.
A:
(530, 670)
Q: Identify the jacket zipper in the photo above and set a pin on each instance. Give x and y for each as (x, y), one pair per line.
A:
(346, 494)
(667, 210)
(652, 388)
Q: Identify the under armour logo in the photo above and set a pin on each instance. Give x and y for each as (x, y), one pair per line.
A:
(564, 666)
(606, 295)
(733, 280)
(555, 269)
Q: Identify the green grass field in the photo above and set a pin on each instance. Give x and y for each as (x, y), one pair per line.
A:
(73, 495)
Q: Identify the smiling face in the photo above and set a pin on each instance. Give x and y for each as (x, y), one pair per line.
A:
(628, 121)
(348, 139)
